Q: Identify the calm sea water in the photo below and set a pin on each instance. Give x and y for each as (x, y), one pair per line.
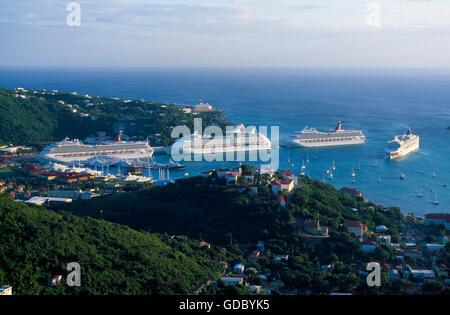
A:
(382, 103)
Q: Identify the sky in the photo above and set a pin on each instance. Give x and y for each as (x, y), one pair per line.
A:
(226, 33)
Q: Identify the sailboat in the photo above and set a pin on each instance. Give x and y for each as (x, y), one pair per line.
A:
(353, 172)
(379, 179)
(435, 202)
(307, 158)
(359, 166)
(303, 165)
(418, 193)
(334, 167)
(434, 174)
(331, 175)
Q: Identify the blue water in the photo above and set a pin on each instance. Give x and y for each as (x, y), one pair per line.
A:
(381, 102)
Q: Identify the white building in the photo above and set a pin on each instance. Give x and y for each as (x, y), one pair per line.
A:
(442, 219)
(5, 290)
(239, 268)
(232, 281)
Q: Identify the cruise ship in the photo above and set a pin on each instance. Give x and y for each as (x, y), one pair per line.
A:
(68, 150)
(237, 140)
(311, 138)
(402, 145)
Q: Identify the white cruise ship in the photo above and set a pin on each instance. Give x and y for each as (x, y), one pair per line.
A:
(311, 138)
(402, 145)
(68, 150)
(239, 139)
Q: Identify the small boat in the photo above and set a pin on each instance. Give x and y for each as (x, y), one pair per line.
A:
(401, 175)
(353, 180)
(433, 174)
(353, 172)
(359, 166)
(379, 179)
(418, 193)
(375, 164)
(307, 158)
(435, 202)
(333, 167)
(303, 165)
(331, 175)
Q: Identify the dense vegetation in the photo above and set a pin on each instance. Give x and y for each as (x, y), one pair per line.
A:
(40, 117)
(36, 121)
(36, 244)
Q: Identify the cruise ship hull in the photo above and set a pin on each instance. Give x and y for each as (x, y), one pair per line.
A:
(302, 144)
(68, 160)
(400, 153)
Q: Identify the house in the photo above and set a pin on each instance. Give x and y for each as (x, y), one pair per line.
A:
(422, 274)
(5, 290)
(281, 257)
(392, 272)
(283, 185)
(381, 228)
(19, 188)
(222, 263)
(232, 177)
(32, 169)
(3, 189)
(368, 246)
(442, 219)
(55, 280)
(356, 228)
(260, 246)
(205, 245)
(239, 268)
(412, 253)
(202, 107)
(351, 191)
(281, 200)
(255, 288)
(254, 255)
(384, 240)
(232, 281)
(288, 174)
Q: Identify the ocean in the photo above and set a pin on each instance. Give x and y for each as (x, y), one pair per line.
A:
(380, 102)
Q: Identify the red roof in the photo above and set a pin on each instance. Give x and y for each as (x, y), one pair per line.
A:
(286, 181)
(275, 183)
(286, 172)
(232, 174)
(354, 223)
(281, 199)
(352, 191)
(438, 216)
(369, 243)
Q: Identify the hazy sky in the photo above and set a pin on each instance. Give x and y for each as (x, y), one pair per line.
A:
(263, 33)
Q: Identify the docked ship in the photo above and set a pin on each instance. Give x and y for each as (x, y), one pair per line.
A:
(237, 140)
(402, 145)
(69, 150)
(311, 138)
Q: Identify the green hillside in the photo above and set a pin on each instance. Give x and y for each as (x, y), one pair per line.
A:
(38, 117)
(36, 243)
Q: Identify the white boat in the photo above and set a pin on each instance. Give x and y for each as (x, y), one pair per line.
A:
(418, 193)
(68, 150)
(435, 201)
(310, 137)
(353, 172)
(402, 145)
(237, 140)
(379, 179)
